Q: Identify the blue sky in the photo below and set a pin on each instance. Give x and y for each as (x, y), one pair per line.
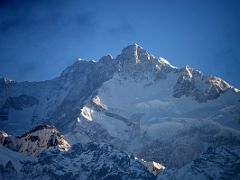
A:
(39, 39)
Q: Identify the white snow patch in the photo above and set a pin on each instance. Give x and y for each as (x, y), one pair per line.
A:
(87, 112)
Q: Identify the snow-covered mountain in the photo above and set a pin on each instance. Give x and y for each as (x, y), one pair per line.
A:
(137, 102)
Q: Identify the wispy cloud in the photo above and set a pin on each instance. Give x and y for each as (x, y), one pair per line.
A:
(124, 27)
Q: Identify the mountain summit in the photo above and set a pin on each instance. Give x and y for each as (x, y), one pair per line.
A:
(134, 54)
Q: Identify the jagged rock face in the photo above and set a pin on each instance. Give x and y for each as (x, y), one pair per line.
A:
(193, 83)
(35, 141)
(135, 62)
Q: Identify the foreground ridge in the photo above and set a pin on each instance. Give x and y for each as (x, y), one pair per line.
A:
(35, 141)
(81, 161)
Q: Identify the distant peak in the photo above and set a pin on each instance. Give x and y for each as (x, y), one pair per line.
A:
(106, 58)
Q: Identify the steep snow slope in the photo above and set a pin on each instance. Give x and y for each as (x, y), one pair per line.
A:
(133, 101)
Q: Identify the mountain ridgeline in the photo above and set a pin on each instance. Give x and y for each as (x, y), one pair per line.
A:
(134, 105)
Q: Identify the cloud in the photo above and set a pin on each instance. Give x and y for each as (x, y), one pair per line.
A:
(123, 27)
(50, 16)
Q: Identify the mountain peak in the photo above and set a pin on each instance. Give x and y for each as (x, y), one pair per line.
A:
(106, 58)
(132, 47)
(134, 54)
